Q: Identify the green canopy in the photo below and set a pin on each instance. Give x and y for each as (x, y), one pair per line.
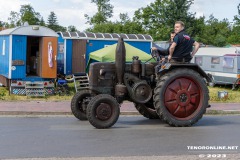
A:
(107, 54)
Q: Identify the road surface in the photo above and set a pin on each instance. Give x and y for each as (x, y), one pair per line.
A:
(132, 136)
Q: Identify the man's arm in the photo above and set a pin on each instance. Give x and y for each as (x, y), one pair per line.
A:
(196, 47)
(171, 50)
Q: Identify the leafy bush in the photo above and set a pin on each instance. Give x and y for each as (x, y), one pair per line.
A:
(2, 94)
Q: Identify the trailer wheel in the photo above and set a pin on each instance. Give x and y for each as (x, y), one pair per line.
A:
(79, 103)
(147, 110)
(181, 97)
(103, 111)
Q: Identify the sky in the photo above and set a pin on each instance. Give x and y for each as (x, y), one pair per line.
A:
(71, 12)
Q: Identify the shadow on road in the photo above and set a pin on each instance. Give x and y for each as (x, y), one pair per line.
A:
(217, 121)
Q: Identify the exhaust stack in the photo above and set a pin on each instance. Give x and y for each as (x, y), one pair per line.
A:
(120, 60)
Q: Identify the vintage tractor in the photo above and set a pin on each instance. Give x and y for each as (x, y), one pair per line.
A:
(177, 93)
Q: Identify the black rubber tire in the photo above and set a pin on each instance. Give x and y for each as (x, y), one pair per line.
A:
(76, 104)
(147, 110)
(94, 105)
(163, 85)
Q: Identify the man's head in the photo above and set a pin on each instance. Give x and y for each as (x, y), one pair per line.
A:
(179, 26)
(172, 35)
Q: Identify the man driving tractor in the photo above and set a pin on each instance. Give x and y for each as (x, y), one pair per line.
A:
(181, 45)
(181, 49)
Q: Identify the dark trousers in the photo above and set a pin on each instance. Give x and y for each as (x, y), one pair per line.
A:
(185, 59)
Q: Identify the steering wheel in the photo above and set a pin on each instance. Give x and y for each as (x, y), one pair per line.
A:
(155, 55)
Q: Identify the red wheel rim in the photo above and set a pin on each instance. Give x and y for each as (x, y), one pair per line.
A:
(182, 98)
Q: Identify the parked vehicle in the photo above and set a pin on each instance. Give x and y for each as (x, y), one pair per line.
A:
(177, 92)
(28, 63)
(222, 64)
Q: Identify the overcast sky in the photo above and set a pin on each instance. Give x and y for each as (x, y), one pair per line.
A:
(71, 12)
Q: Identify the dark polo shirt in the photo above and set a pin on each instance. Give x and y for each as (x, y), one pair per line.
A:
(184, 46)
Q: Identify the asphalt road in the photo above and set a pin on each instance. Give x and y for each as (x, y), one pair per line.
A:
(44, 137)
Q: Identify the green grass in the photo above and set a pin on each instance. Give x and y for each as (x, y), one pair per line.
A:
(4, 95)
(233, 96)
(220, 112)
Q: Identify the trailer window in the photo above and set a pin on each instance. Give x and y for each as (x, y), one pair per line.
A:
(60, 47)
(228, 62)
(198, 60)
(60, 55)
(215, 60)
(3, 47)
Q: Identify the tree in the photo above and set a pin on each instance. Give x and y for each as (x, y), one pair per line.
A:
(14, 19)
(60, 28)
(237, 17)
(216, 32)
(72, 28)
(179, 10)
(125, 25)
(26, 14)
(1, 23)
(199, 28)
(104, 11)
(124, 18)
(42, 22)
(108, 27)
(52, 19)
(234, 38)
(52, 23)
(158, 18)
(4, 24)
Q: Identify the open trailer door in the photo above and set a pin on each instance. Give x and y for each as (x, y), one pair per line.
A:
(48, 56)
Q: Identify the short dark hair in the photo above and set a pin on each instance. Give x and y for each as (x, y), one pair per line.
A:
(172, 32)
(180, 22)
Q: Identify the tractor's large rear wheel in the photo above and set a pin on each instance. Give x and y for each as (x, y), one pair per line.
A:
(181, 97)
(79, 103)
(103, 111)
(147, 110)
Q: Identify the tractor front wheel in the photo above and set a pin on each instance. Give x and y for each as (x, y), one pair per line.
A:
(79, 104)
(103, 111)
(181, 97)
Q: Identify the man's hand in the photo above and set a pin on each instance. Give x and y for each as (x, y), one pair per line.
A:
(154, 48)
(169, 58)
(196, 47)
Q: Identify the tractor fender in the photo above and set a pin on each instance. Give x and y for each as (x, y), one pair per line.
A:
(170, 66)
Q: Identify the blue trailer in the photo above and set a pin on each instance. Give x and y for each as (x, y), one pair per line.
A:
(74, 47)
(28, 59)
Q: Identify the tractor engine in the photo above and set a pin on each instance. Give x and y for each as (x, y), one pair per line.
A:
(125, 81)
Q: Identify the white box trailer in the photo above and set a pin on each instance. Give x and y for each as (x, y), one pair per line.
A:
(222, 64)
